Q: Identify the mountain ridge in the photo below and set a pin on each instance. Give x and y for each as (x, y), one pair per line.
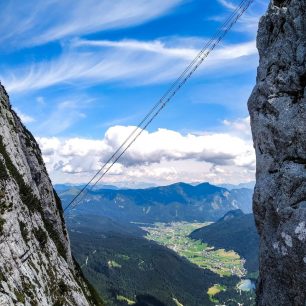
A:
(36, 265)
(179, 201)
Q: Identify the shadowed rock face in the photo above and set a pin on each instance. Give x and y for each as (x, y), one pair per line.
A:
(278, 118)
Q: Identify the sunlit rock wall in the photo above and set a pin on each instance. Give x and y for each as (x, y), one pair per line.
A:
(278, 118)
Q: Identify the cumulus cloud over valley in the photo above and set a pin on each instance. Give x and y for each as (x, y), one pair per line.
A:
(161, 155)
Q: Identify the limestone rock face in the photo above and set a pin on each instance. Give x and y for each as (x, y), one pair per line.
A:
(278, 118)
(36, 266)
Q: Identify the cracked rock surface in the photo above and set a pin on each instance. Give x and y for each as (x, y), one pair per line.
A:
(278, 119)
(36, 266)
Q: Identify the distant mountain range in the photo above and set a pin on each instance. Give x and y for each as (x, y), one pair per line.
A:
(64, 187)
(249, 185)
(176, 202)
(234, 231)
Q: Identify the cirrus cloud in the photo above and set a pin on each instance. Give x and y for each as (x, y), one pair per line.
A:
(97, 62)
(33, 22)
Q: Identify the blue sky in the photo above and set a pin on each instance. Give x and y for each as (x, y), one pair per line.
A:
(80, 73)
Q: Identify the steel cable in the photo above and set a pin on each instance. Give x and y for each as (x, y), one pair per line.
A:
(162, 102)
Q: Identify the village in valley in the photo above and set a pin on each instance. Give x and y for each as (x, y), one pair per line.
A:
(175, 236)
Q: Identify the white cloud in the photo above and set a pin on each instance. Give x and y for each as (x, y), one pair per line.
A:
(24, 117)
(181, 50)
(227, 4)
(34, 22)
(41, 101)
(240, 126)
(159, 156)
(49, 146)
(156, 46)
(114, 61)
(248, 22)
(64, 115)
(163, 144)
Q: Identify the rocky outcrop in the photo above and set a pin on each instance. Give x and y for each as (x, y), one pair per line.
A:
(278, 119)
(36, 266)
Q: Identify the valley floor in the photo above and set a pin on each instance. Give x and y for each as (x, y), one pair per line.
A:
(175, 236)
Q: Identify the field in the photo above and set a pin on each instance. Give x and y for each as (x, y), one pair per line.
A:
(214, 290)
(175, 236)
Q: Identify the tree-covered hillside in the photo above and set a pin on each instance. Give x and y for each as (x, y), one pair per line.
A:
(127, 269)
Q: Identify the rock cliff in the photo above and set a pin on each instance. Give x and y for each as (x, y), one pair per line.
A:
(36, 266)
(278, 118)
